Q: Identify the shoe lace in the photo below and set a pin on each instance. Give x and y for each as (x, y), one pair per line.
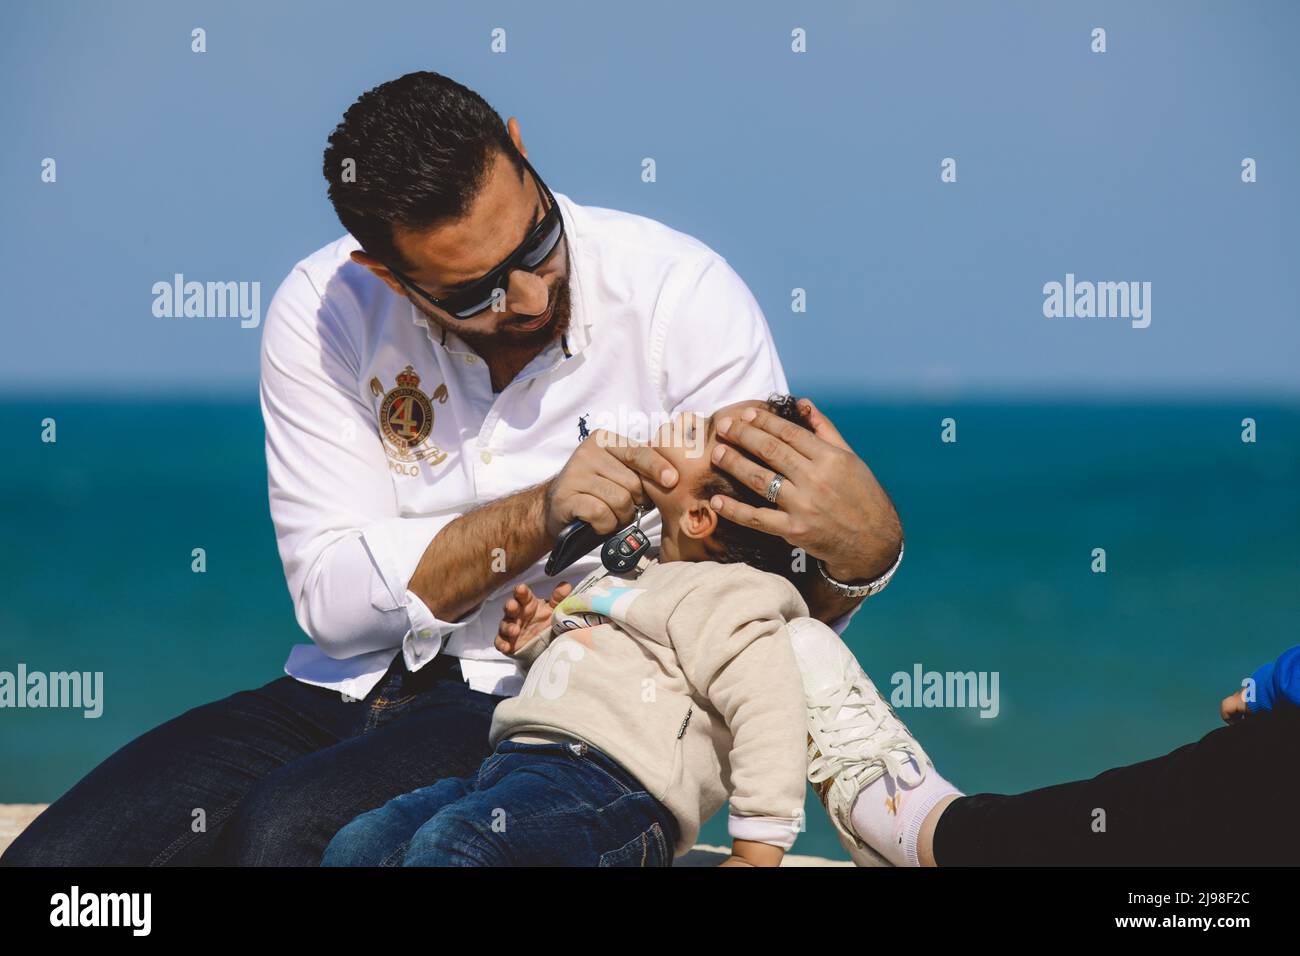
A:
(865, 740)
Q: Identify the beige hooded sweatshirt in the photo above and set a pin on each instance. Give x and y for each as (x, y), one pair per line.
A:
(686, 677)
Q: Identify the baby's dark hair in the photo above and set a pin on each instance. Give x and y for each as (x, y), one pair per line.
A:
(740, 544)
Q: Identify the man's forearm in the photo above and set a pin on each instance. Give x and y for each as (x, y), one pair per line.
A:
(469, 558)
(828, 605)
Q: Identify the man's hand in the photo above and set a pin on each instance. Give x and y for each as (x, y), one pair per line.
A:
(1233, 707)
(524, 616)
(602, 483)
(830, 503)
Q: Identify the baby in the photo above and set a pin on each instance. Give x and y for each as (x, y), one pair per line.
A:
(649, 698)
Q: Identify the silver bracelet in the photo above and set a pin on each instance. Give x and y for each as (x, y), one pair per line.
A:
(861, 590)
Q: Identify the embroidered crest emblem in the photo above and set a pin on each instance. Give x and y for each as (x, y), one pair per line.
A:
(406, 418)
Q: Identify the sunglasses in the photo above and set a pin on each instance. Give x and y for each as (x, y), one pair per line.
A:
(476, 296)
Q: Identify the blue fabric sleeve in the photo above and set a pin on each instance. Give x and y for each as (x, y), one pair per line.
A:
(1277, 683)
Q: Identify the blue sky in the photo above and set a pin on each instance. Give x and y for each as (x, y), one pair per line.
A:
(817, 170)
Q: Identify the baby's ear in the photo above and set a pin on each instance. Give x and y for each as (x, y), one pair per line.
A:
(698, 521)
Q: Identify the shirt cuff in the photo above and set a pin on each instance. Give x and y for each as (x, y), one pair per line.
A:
(528, 654)
(774, 831)
(395, 546)
(841, 623)
(428, 633)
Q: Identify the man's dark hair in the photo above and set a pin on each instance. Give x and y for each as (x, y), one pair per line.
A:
(737, 543)
(422, 146)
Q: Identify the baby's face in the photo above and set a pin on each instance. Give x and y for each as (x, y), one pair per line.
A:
(688, 442)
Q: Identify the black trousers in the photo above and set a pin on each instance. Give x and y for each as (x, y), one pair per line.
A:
(1231, 798)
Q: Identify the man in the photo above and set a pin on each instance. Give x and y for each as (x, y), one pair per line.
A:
(427, 381)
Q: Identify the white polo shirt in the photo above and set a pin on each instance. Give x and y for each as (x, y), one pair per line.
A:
(381, 430)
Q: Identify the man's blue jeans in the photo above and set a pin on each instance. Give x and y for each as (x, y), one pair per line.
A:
(264, 777)
(552, 804)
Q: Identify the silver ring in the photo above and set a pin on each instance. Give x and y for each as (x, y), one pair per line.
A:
(774, 487)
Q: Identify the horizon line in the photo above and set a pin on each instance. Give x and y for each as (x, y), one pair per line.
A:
(232, 393)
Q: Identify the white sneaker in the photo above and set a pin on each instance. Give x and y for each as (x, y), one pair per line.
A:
(854, 736)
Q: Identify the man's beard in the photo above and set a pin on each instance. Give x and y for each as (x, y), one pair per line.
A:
(485, 343)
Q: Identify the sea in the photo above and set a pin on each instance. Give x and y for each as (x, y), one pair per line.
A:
(1113, 569)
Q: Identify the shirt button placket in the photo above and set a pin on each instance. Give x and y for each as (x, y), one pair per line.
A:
(485, 436)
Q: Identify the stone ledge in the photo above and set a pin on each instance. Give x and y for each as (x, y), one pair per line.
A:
(14, 818)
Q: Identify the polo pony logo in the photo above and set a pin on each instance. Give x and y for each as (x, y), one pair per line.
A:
(406, 419)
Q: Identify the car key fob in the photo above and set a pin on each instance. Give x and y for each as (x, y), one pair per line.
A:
(577, 539)
(622, 552)
(625, 551)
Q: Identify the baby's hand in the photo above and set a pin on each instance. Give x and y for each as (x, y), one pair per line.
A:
(1233, 707)
(525, 616)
